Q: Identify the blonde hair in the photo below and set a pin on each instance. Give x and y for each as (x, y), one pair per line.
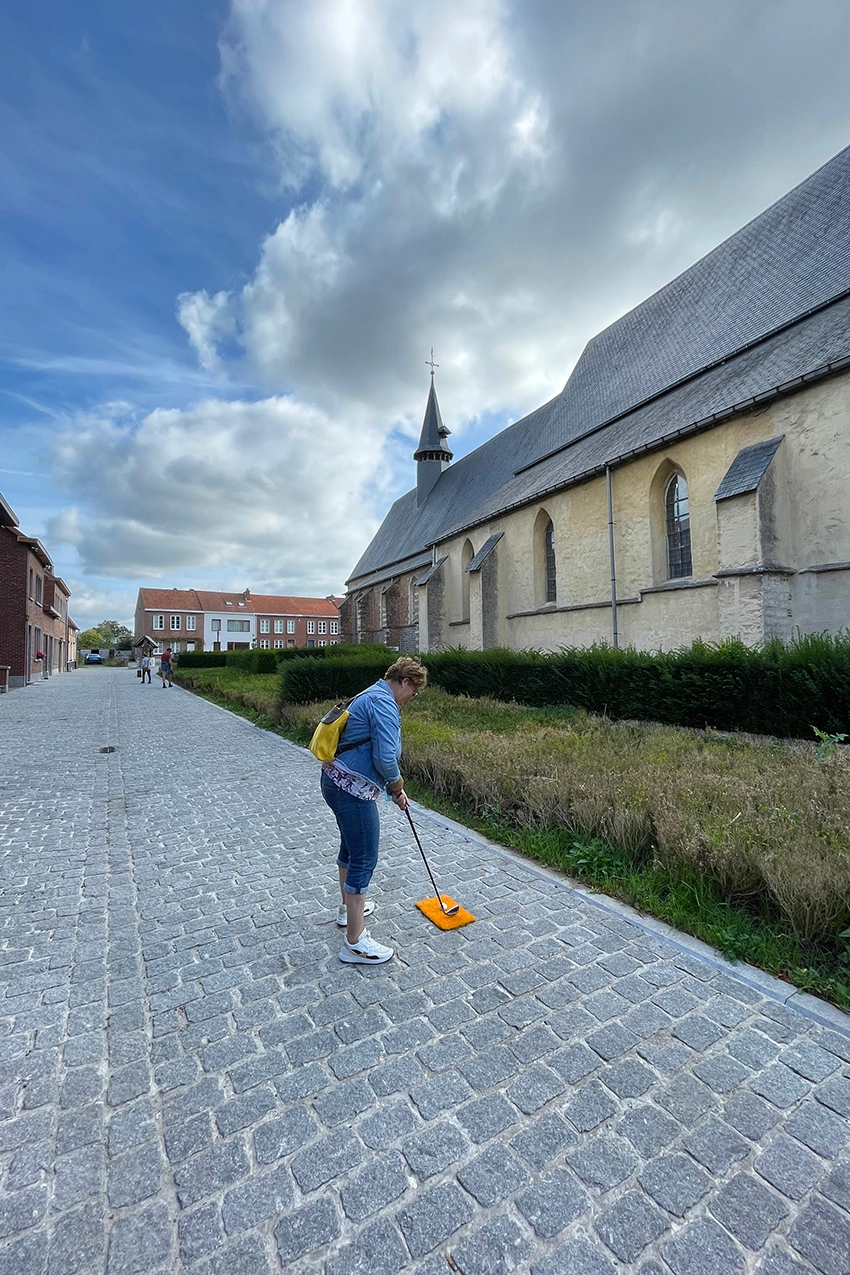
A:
(404, 667)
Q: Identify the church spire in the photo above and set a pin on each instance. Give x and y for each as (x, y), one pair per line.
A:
(432, 455)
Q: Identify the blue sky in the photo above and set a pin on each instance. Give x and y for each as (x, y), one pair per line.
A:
(231, 232)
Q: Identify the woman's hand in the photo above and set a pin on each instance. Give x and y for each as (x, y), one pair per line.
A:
(399, 796)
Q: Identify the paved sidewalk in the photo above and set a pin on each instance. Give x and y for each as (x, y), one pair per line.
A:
(190, 1081)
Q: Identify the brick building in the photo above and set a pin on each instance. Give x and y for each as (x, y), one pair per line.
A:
(204, 620)
(37, 635)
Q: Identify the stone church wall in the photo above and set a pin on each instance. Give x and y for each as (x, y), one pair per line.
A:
(797, 518)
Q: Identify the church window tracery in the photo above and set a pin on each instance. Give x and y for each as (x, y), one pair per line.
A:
(551, 582)
(678, 523)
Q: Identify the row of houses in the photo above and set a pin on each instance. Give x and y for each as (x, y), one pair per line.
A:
(38, 638)
(206, 620)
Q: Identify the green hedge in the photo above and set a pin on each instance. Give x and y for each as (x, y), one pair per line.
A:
(304, 681)
(341, 648)
(253, 661)
(773, 690)
(201, 659)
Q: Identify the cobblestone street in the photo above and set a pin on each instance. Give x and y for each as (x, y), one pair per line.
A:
(191, 1081)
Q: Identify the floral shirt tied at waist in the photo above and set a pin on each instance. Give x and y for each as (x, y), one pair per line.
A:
(348, 781)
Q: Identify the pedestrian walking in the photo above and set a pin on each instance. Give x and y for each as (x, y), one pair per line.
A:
(146, 669)
(371, 744)
(166, 668)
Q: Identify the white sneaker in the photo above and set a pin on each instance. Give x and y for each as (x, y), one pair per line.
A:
(342, 912)
(365, 951)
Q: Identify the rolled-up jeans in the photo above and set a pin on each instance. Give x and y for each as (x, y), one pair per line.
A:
(359, 830)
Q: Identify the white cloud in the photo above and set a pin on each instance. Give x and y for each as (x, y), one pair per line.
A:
(270, 491)
(495, 179)
(501, 181)
(206, 320)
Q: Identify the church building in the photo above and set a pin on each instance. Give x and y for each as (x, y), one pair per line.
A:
(691, 480)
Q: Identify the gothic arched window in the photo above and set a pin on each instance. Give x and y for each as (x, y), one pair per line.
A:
(551, 580)
(678, 525)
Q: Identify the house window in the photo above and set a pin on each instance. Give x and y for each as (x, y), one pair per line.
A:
(190, 646)
(323, 626)
(215, 625)
(175, 623)
(334, 626)
(32, 573)
(278, 643)
(264, 644)
(311, 628)
(39, 588)
(311, 642)
(159, 621)
(265, 626)
(290, 641)
(383, 611)
(278, 626)
(191, 624)
(175, 647)
(678, 528)
(239, 626)
(551, 591)
(158, 649)
(290, 626)
(322, 642)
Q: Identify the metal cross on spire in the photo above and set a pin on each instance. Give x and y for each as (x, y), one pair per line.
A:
(430, 363)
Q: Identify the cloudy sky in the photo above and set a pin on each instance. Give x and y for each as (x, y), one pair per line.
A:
(231, 233)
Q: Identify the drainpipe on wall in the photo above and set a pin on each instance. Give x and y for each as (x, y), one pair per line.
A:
(615, 636)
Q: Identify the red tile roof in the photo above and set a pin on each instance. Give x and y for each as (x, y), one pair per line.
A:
(258, 603)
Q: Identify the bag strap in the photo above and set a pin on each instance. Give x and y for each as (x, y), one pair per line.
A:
(356, 744)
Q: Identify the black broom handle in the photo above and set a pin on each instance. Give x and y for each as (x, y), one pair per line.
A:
(424, 860)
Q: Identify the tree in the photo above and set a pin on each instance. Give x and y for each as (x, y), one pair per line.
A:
(91, 640)
(116, 636)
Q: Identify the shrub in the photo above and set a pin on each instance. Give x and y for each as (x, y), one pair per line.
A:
(332, 652)
(305, 681)
(201, 659)
(773, 690)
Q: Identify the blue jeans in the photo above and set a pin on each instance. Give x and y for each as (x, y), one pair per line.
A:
(359, 829)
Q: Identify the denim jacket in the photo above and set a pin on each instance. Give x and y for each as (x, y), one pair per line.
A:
(374, 713)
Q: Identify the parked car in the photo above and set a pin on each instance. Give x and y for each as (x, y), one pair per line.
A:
(94, 658)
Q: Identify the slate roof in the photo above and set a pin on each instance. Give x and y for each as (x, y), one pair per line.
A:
(763, 308)
(747, 469)
(432, 439)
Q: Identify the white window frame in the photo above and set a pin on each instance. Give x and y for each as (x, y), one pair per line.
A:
(265, 626)
(323, 626)
(278, 626)
(322, 642)
(191, 623)
(290, 626)
(190, 646)
(175, 623)
(311, 626)
(158, 623)
(334, 626)
(265, 643)
(278, 643)
(238, 626)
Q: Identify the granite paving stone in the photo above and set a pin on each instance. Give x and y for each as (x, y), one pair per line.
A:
(191, 1083)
